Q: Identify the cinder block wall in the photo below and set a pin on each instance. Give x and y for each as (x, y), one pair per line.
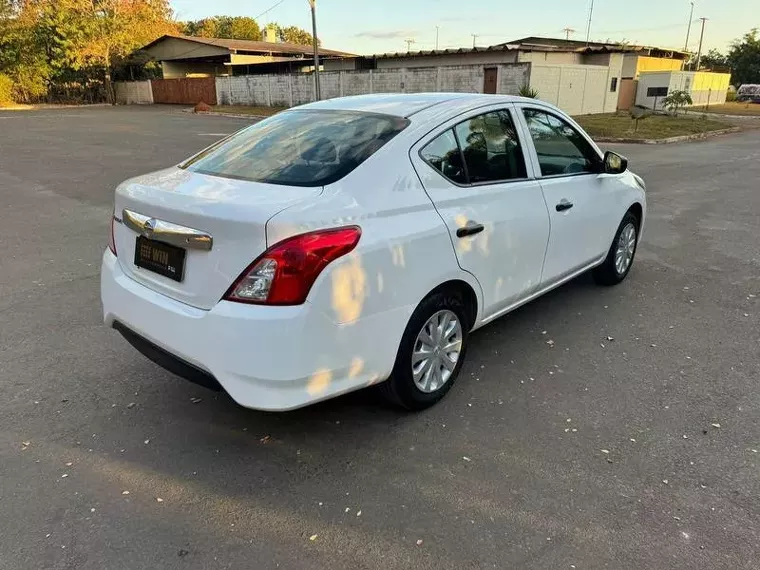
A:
(133, 92)
(298, 88)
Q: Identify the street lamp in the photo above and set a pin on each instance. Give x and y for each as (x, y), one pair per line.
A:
(313, 4)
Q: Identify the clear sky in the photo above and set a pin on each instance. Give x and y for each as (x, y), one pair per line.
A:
(377, 26)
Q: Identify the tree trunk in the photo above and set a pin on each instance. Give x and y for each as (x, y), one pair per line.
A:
(110, 96)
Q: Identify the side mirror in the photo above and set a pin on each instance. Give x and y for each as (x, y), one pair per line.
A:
(614, 163)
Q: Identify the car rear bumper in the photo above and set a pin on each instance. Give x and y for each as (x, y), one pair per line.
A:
(266, 358)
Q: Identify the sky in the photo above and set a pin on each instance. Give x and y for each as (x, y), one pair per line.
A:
(380, 26)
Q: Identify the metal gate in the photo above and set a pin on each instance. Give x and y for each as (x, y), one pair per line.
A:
(185, 91)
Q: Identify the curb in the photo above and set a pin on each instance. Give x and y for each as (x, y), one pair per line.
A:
(671, 140)
(52, 107)
(708, 115)
(231, 115)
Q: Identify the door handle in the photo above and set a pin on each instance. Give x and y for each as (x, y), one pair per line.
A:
(470, 229)
(563, 205)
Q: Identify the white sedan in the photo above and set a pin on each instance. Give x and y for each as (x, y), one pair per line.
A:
(360, 240)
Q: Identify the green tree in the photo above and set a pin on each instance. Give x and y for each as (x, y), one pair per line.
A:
(64, 43)
(294, 35)
(744, 58)
(714, 60)
(231, 27)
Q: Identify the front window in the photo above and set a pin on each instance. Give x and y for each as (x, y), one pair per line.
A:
(299, 148)
(561, 149)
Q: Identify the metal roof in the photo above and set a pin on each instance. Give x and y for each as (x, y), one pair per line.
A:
(252, 46)
(538, 43)
(498, 48)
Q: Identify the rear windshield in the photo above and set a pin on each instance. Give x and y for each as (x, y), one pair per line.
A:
(299, 148)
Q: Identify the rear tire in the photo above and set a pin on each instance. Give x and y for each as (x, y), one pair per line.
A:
(439, 328)
(621, 254)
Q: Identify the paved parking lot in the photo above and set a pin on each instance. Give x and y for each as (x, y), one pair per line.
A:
(663, 471)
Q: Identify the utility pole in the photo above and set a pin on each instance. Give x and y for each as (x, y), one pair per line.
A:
(688, 30)
(474, 37)
(701, 38)
(568, 31)
(409, 43)
(588, 29)
(436, 38)
(317, 90)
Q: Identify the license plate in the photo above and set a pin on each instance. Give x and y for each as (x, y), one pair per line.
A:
(159, 257)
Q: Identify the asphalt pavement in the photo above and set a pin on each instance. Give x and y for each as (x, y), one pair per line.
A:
(632, 441)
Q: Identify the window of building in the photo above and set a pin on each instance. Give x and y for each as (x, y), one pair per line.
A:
(613, 85)
(561, 149)
(657, 92)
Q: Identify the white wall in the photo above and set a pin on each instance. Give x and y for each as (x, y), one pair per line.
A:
(576, 89)
(555, 57)
(133, 92)
(288, 90)
(703, 87)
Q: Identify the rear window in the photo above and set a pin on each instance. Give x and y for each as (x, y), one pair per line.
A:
(299, 148)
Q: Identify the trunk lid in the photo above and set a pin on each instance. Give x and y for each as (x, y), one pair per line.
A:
(234, 213)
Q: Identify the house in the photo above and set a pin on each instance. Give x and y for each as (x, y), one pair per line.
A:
(186, 56)
(562, 71)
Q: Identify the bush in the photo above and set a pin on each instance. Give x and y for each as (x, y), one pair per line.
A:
(30, 85)
(677, 100)
(528, 91)
(6, 90)
(730, 96)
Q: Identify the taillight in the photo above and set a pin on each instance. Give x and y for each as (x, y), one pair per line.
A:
(284, 274)
(111, 240)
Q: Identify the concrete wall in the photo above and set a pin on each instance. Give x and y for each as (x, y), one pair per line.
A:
(633, 65)
(556, 58)
(179, 69)
(288, 90)
(133, 92)
(705, 88)
(347, 64)
(172, 48)
(577, 89)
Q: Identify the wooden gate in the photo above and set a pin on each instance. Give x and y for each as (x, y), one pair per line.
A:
(185, 91)
(627, 96)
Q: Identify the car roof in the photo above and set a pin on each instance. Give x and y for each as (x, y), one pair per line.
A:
(406, 104)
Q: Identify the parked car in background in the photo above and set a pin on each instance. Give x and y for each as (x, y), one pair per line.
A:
(360, 240)
(748, 93)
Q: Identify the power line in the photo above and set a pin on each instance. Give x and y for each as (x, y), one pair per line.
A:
(269, 9)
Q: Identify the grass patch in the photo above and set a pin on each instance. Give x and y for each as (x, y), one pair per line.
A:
(246, 110)
(620, 125)
(735, 108)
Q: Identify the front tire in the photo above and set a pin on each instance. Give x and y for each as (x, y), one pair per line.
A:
(431, 352)
(619, 260)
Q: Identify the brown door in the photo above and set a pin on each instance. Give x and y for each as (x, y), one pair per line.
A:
(489, 80)
(627, 96)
